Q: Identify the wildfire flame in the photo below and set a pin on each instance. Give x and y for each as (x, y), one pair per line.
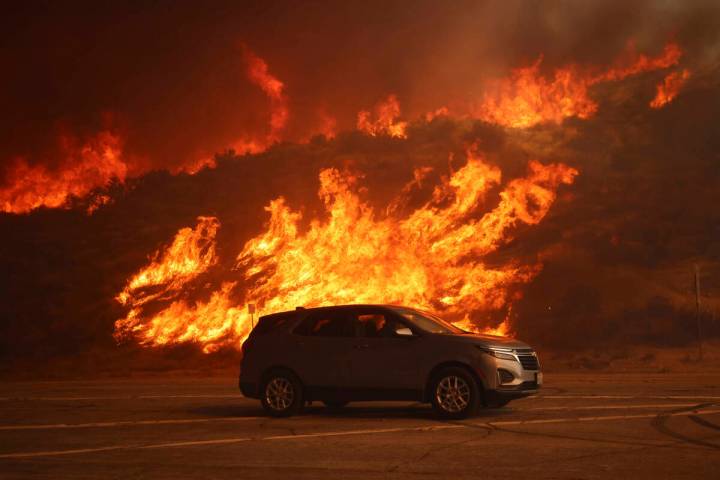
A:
(85, 166)
(528, 98)
(259, 74)
(669, 88)
(385, 119)
(96, 162)
(431, 257)
(438, 112)
(191, 253)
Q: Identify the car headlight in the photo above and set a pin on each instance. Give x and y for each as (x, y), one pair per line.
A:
(502, 353)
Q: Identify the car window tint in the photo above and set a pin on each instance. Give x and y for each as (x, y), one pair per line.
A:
(325, 324)
(376, 324)
(427, 321)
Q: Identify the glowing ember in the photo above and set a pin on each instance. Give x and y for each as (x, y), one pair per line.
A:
(84, 167)
(385, 120)
(431, 257)
(669, 88)
(528, 98)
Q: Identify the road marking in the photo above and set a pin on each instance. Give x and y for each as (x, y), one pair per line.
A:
(362, 432)
(615, 407)
(128, 397)
(601, 419)
(196, 442)
(126, 423)
(358, 432)
(181, 421)
(626, 397)
(55, 453)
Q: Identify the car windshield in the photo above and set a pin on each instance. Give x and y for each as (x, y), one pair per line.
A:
(428, 322)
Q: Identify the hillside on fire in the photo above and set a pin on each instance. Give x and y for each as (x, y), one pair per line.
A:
(566, 194)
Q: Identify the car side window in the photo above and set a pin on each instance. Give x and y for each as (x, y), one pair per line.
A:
(326, 324)
(378, 324)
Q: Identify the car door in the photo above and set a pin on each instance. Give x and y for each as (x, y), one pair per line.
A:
(382, 359)
(321, 344)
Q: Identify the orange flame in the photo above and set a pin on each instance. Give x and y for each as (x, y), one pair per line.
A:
(528, 98)
(85, 166)
(97, 162)
(669, 88)
(431, 257)
(258, 73)
(191, 253)
(385, 122)
(438, 112)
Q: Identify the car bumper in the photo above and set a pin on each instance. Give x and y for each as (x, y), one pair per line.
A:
(502, 394)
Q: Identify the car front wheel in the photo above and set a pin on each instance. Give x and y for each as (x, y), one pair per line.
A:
(455, 393)
(282, 394)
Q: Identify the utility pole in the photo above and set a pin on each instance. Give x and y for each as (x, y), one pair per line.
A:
(697, 311)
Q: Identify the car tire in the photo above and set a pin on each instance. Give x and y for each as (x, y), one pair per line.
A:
(335, 404)
(455, 393)
(281, 394)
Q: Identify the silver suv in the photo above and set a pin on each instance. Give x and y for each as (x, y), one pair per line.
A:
(381, 352)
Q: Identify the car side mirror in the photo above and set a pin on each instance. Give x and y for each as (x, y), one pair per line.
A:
(404, 332)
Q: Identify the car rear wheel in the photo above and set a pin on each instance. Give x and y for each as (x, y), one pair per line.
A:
(455, 393)
(282, 394)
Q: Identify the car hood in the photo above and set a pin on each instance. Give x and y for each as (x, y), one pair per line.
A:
(489, 340)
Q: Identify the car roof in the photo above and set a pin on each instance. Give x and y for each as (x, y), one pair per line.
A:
(333, 307)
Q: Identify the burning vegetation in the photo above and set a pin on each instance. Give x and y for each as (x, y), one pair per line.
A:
(528, 98)
(431, 257)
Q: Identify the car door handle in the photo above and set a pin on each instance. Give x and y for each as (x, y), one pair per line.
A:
(361, 346)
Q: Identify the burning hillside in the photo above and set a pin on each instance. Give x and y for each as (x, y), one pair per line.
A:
(431, 257)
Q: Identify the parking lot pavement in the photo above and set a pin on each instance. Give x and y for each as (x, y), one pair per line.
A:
(581, 426)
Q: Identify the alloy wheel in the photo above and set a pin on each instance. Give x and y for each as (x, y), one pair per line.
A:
(453, 394)
(279, 393)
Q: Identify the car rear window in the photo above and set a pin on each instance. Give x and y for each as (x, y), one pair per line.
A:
(271, 323)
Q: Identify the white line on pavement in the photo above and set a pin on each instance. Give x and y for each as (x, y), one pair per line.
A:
(180, 421)
(614, 407)
(626, 397)
(360, 432)
(127, 397)
(601, 419)
(125, 423)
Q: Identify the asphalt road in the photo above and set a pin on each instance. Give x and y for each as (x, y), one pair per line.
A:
(581, 426)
